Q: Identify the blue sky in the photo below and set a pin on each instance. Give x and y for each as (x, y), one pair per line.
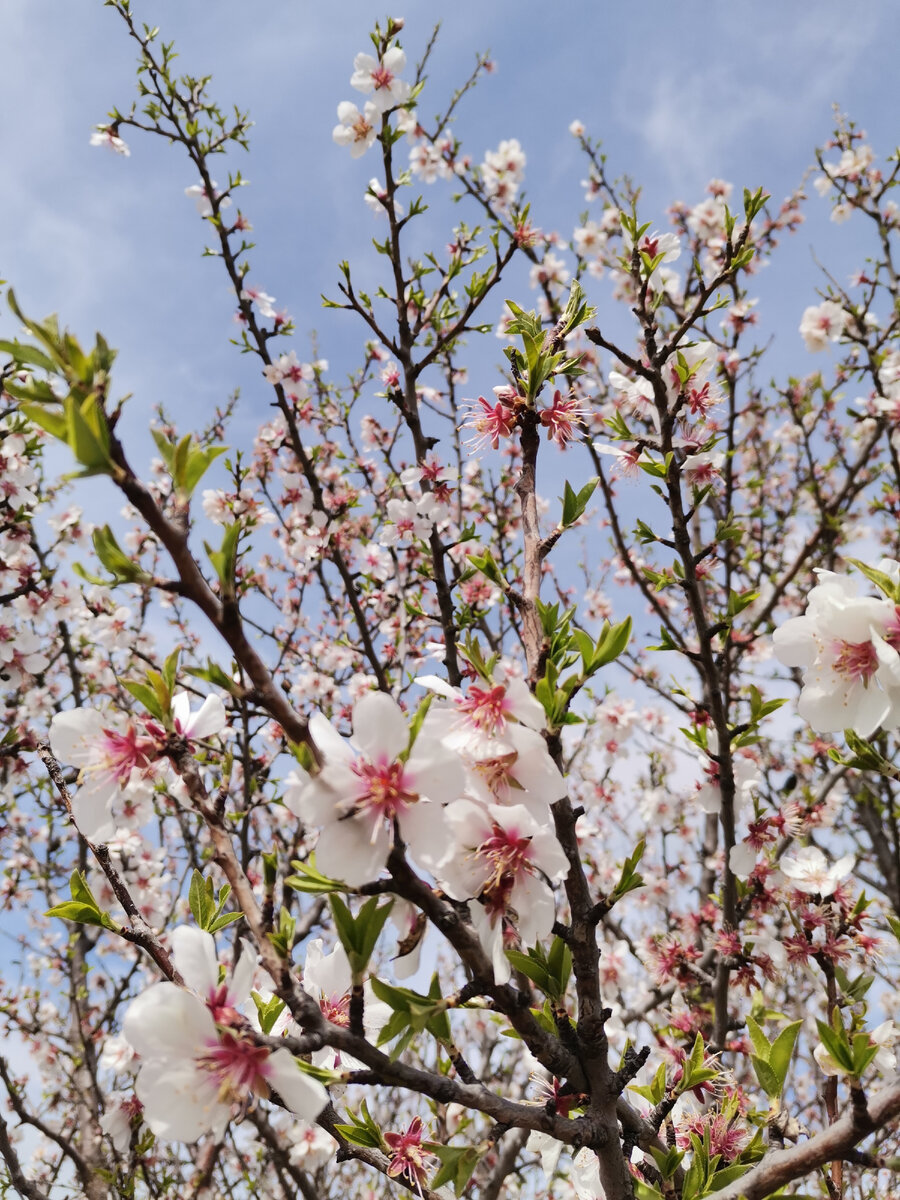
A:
(678, 92)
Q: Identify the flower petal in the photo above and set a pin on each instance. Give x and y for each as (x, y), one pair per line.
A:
(379, 727)
(305, 1097)
(194, 954)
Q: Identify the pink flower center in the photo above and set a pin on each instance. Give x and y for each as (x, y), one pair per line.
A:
(383, 788)
(336, 1009)
(123, 751)
(485, 708)
(382, 77)
(497, 774)
(509, 855)
(361, 128)
(238, 1067)
(892, 628)
(855, 660)
(218, 1002)
(562, 417)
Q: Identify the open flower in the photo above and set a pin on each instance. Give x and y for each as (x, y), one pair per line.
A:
(201, 1063)
(356, 129)
(367, 784)
(380, 78)
(408, 1156)
(110, 755)
(491, 422)
(821, 324)
(327, 978)
(809, 872)
(845, 644)
(108, 135)
(563, 417)
(503, 857)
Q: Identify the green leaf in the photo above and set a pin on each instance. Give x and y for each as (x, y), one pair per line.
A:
(81, 914)
(458, 1164)
(761, 1043)
(655, 1091)
(667, 1162)
(884, 582)
(768, 1079)
(611, 643)
(359, 1136)
(308, 879)
(837, 1045)
(268, 1011)
(359, 934)
(487, 566)
(53, 421)
(200, 899)
(224, 560)
(146, 696)
(26, 355)
(83, 908)
(574, 503)
(783, 1049)
(863, 1052)
(727, 1175)
(121, 566)
(87, 435)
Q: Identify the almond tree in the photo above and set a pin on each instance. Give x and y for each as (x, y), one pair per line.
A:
(377, 823)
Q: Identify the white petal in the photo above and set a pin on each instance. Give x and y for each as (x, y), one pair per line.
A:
(424, 831)
(304, 1096)
(435, 684)
(328, 740)
(91, 806)
(438, 774)
(491, 937)
(379, 727)
(181, 710)
(241, 978)
(209, 719)
(534, 903)
(327, 974)
(71, 734)
(168, 1022)
(394, 60)
(180, 1101)
(194, 954)
(524, 706)
(348, 113)
(348, 850)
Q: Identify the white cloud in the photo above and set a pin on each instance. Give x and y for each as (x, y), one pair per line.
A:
(768, 77)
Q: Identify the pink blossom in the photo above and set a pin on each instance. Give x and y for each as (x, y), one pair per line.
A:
(562, 418)
(380, 78)
(491, 423)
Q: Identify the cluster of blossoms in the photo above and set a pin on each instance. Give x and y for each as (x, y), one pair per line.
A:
(199, 1060)
(21, 653)
(120, 760)
(470, 795)
(847, 647)
(690, 391)
(562, 418)
(380, 79)
(503, 172)
(466, 786)
(821, 324)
